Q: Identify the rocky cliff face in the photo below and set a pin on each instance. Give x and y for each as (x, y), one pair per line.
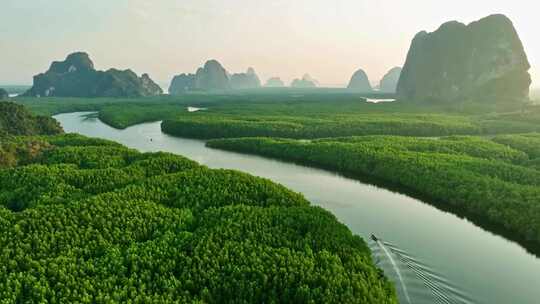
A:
(212, 77)
(150, 86)
(248, 80)
(360, 82)
(390, 81)
(482, 61)
(116, 83)
(182, 84)
(305, 82)
(76, 77)
(274, 82)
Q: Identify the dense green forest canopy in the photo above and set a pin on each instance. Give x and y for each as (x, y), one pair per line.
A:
(90, 221)
(495, 174)
(309, 120)
(17, 120)
(56, 105)
(495, 179)
(299, 115)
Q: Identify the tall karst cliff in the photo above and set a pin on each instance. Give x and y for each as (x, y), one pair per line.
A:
(482, 61)
(390, 81)
(360, 82)
(77, 77)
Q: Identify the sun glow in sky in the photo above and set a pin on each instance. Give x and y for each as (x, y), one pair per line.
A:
(329, 39)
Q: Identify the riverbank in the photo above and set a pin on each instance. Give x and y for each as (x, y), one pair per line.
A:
(463, 252)
(144, 222)
(481, 179)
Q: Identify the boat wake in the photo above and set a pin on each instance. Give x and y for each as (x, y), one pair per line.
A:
(415, 282)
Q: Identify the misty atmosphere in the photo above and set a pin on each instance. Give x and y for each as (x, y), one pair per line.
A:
(269, 152)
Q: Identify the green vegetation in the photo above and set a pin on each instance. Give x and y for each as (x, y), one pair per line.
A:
(208, 126)
(528, 143)
(496, 180)
(291, 113)
(16, 151)
(492, 178)
(16, 120)
(311, 119)
(56, 105)
(90, 221)
(51, 106)
(121, 117)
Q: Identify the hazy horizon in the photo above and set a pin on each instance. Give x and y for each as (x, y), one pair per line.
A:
(327, 39)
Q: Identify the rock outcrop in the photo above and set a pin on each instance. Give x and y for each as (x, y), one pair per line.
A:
(150, 86)
(248, 80)
(182, 84)
(212, 77)
(274, 82)
(116, 83)
(482, 61)
(77, 77)
(360, 82)
(390, 81)
(3, 94)
(305, 82)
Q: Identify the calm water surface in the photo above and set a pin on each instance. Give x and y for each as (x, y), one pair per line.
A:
(484, 266)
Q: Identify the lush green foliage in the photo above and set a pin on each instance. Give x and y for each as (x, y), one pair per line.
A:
(309, 119)
(51, 106)
(14, 151)
(225, 126)
(56, 105)
(90, 221)
(496, 178)
(121, 117)
(476, 176)
(528, 143)
(297, 113)
(16, 120)
(210, 125)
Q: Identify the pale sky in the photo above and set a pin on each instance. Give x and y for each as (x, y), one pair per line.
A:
(329, 39)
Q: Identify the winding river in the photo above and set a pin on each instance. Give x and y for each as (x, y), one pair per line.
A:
(483, 267)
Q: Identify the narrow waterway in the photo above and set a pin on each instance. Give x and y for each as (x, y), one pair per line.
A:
(481, 266)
